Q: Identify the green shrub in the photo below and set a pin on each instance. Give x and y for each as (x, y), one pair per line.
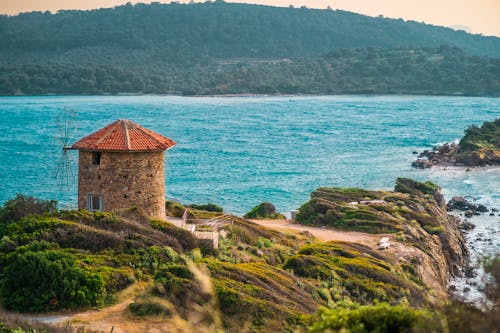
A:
(49, 280)
(209, 207)
(21, 206)
(149, 306)
(264, 210)
(240, 234)
(433, 230)
(378, 318)
(174, 208)
(264, 243)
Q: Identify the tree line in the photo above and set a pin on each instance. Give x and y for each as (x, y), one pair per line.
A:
(443, 71)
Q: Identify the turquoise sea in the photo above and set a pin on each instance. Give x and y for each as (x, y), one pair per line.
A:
(240, 151)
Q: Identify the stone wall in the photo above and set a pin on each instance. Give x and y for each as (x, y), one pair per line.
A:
(124, 180)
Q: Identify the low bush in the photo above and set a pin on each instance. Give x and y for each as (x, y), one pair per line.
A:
(209, 207)
(49, 280)
(149, 306)
(21, 206)
(174, 209)
(378, 318)
(264, 210)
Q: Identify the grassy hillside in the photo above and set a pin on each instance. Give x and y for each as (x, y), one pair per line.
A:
(415, 213)
(377, 211)
(258, 278)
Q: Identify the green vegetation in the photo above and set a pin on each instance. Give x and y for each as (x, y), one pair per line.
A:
(405, 185)
(77, 259)
(222, 48)
(176, 33)
(377, 211)
(416, 216)
(353, 271)
(174, 209)
(209, 207)
(382, 317)
(59, 283)
(265, 210)
(20, 206)
(378, 318)
(259, 278)
(203, 211)
(438, 71)
(480, 145)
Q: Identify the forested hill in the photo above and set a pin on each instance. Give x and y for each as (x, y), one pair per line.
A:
(430, 71)
(180, 33)
(222, 48)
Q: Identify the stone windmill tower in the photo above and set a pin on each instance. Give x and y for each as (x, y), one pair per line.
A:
(120, 166)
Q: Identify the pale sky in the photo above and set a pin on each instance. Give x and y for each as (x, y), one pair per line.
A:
(481, 16)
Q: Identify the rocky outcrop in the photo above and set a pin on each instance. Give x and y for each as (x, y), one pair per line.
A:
(424, 235)
(445, 154)
(480, 146)
(265, 210)
(460, 203)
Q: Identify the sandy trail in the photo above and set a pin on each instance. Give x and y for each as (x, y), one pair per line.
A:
(324, 234)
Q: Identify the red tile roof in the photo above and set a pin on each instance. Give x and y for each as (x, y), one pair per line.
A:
(124, 135)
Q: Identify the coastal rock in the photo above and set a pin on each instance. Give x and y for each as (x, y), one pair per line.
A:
(468, 213)
(480, 146)
(466, 226)
(460, 203)
(482, 209)
(421, 163)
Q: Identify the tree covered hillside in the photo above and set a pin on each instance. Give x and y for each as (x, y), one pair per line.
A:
(177, 33)
(221, 48)
(431, 71)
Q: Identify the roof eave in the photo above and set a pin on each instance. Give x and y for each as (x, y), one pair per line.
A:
(122, 150)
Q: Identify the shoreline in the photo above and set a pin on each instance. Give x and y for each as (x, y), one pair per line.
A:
(253, 95)
(482, 242)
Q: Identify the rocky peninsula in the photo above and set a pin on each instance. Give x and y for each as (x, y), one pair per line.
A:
(414, 216)
(479, 147)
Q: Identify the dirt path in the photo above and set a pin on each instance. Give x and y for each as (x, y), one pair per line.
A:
(324, 234)
(103, 319)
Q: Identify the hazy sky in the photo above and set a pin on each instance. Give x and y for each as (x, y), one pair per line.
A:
(481, 16)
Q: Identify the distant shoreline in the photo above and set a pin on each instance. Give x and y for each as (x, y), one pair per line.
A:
(254, 95)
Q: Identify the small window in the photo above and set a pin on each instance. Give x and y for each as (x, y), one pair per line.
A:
(96, 158)
(94, 202)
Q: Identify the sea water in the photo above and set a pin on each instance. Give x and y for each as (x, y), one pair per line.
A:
(240, 151)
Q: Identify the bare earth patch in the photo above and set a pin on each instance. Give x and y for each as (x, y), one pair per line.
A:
(324, 234)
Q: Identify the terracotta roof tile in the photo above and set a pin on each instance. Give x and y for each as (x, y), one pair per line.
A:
(124, 135)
